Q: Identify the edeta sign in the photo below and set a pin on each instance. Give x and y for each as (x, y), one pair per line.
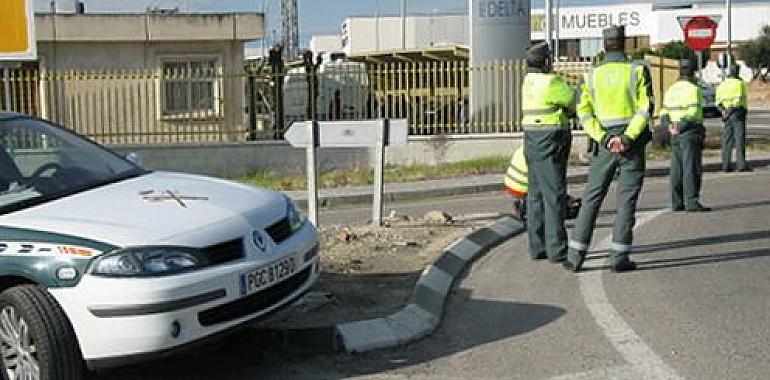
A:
(588, 22)
(17, 31)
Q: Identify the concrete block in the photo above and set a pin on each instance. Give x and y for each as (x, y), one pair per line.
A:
(436, 279)
(465, 249)
(412, 323)
(428, 299)
(450, 263)
(366, 335)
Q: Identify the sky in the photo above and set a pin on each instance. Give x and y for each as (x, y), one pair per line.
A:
(316, 16)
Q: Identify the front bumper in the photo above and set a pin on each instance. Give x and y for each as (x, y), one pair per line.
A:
(117, 318)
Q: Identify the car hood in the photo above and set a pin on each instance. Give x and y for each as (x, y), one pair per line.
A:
(158, 208)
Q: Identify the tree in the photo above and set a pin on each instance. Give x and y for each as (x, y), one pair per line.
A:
(756, 54)
(680, 50)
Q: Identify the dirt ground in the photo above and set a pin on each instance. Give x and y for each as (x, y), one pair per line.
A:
(369, 272)
(759, 94)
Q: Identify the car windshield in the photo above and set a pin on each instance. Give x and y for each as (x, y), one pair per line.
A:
(40, 162)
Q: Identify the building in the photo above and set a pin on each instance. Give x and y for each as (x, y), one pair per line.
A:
(325, 44)
(154, 75)
(579, 27)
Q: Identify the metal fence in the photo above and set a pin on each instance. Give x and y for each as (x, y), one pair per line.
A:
(188, 104)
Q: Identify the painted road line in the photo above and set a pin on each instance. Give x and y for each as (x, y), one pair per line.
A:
(645, 364)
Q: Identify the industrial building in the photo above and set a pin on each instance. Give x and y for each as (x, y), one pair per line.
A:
(579, 27)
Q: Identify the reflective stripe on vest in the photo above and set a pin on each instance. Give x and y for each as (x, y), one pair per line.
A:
(540, 111)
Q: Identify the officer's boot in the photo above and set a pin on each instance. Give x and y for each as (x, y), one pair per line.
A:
(619, 262)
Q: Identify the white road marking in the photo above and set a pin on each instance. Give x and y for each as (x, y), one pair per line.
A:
(624, 372)
(644, 363)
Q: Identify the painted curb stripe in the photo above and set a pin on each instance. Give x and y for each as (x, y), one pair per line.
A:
(424, 311)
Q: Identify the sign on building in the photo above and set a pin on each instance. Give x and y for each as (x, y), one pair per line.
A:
(17, 31)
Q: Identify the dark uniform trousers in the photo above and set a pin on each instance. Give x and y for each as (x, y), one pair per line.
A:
(687, 167)
(630, 166)
(734, 135)
(547, 153)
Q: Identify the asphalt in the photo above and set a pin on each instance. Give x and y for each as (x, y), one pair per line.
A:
(698, 305)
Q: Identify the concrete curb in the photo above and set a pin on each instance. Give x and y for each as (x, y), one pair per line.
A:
(423, 313)
(658, 170)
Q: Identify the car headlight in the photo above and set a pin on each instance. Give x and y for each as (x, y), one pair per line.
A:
(148, 261)
(293, 216)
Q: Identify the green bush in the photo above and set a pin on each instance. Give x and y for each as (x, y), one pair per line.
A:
(756, 54)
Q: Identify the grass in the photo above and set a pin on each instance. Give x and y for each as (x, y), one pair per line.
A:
(487, 165)
(342, 178)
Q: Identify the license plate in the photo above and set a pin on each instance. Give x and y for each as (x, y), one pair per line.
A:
(268, 275)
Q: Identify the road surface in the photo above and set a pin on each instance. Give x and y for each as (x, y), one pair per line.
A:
(698, 308)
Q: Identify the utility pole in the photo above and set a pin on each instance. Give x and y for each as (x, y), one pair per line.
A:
(557, 30)
(290, 26)
(729, 34)
(548, 27)
(403, 24)
(377, 26)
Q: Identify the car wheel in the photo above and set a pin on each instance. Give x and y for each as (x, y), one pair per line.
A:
(36, 338)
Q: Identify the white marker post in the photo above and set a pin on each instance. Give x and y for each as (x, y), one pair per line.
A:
(376, 134)
(312, 180)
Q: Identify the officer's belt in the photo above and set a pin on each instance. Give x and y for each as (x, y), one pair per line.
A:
(544, 127)
(540, 111)
(609, 123)
(681, 108)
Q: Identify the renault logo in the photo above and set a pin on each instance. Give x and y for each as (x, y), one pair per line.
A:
(258, 240)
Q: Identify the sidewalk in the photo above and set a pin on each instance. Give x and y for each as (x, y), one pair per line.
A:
(398, 192)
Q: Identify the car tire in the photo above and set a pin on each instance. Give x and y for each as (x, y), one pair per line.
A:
(50, 340)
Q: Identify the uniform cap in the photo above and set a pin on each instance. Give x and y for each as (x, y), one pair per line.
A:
(615, 32)
(539, 51)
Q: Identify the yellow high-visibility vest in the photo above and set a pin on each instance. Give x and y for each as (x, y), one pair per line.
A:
(544, 97)
(682, 102)
(516, 178)
(614, 94)
(732, 93)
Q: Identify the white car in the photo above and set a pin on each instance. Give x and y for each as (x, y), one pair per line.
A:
(103, 263)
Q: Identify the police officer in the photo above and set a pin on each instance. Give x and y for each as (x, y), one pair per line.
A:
(731, 99)
(547, 139)
(516, 182)
(683, 113)
(614, 109)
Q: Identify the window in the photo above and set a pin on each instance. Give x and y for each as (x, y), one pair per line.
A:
(190, 87)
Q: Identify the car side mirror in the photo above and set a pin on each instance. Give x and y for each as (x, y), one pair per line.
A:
(134, 158)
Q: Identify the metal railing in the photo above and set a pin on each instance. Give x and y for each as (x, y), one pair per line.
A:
(184, 105)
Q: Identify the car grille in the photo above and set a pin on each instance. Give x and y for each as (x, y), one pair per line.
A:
(255, 302)
(279, 231)
(224, 252)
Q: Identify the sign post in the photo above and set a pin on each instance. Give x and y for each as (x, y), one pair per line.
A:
(376, 134)
(699, 33)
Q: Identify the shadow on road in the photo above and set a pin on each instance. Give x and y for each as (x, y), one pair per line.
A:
(703, 259)
(708, 240)
(254, 354)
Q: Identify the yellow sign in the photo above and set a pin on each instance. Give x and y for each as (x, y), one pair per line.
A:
(17, 30)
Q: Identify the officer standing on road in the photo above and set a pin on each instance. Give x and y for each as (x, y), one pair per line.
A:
(731, 99)
(614, 109)
(547, 139)
(683, 113)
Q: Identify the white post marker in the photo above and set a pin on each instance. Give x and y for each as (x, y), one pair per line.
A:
(376, 134)
(311, 132)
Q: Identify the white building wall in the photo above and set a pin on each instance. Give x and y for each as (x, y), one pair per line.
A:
(578, 22)
(366, 34)
(326, 44)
